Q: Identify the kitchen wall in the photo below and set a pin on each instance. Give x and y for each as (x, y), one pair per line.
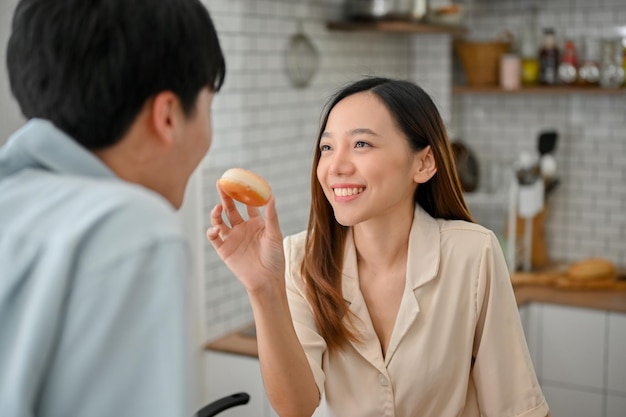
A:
(265, 124)
(585, 215)
(10, 116)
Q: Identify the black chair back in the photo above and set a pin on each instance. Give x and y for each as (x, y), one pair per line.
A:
(222, 404)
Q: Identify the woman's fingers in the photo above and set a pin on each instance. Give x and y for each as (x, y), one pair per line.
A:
(253, 211)
(213, 234)
(273, 227)
(217, 221)
(226, 220)
(219, 230)
(229, 207)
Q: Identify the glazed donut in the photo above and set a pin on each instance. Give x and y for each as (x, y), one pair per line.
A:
(245, 186)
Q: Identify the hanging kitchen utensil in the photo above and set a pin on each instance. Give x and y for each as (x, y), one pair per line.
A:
(302, 59)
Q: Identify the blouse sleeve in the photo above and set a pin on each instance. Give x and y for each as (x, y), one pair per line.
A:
(312, 342)
(503, 372)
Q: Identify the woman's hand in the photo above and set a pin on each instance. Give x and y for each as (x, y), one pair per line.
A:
(253, 248)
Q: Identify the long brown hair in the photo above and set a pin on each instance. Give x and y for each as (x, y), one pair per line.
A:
(417, 116)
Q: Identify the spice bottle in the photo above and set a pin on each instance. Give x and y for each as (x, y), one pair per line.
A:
(529, 51)
(568, 68)
(548, 58)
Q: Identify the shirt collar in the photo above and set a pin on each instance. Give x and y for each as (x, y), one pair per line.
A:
(42, 145)
(422, 259)
(424, 249)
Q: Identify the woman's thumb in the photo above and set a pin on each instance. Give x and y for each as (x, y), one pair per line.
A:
(271, 220)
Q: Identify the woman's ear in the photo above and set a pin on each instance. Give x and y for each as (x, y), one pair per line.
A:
(426, 166)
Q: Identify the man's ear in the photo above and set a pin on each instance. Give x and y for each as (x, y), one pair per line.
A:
(426, 165)
(166, 111)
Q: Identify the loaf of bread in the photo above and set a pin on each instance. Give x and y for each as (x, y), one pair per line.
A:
(592, 269)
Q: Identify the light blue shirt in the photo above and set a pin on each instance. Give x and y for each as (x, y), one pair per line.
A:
(93, 277)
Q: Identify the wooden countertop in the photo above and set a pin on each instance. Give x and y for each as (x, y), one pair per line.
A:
(552, 286)
(607, 300)
(534, 288)
(237, 342)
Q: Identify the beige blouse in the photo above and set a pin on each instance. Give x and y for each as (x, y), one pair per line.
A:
(457, 347)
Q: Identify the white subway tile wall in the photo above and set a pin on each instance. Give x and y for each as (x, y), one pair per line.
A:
(585, 214)
(10, 116)
(265, 124)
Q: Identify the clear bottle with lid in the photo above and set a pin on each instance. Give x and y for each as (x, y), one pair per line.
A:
(611, 67)
(548, 58)
(624, 59)
(529, 49)
(589, 68)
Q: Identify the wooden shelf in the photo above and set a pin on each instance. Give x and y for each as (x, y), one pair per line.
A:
(394, 26)
(539, 90)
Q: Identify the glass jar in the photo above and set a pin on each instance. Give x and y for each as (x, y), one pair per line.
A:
(611, 65)
(624, 60)
(589, 68)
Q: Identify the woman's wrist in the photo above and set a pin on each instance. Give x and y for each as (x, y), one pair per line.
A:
(271, 291)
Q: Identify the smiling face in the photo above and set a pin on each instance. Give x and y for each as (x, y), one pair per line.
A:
(366, 169)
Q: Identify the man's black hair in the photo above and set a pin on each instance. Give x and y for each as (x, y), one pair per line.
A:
(89, 66)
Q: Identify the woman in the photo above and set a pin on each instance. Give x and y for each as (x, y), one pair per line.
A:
(392, 302)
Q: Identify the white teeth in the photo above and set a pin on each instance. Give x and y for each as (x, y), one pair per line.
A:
(344, 192)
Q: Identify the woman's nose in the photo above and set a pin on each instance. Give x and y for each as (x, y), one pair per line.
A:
(341, 162)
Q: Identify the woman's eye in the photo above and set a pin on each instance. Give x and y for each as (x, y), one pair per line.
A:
(324, 148)
(361, 144)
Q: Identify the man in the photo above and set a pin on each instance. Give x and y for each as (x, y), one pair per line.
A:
(93, 261)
